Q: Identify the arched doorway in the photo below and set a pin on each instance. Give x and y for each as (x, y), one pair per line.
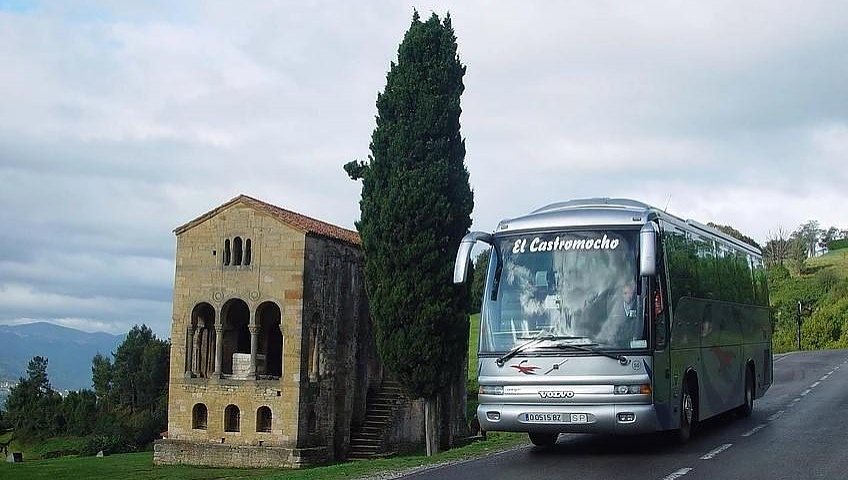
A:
(235, 318)
(270, 337)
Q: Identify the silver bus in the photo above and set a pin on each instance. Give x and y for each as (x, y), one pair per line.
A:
(611, 316)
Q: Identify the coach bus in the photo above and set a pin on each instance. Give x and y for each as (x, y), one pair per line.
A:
(611, 316)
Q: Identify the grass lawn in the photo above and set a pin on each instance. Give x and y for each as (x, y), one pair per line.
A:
(836, 261)
(140, 465)
(473, 340)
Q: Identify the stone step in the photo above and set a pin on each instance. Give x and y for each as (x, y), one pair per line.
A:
(368, 440)
(372, 428)
(380, 411)
(363, 449)
(372, 444)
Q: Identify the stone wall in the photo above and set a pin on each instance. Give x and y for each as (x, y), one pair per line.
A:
(176, 452)
(335, 306)
(248, 395)
(275, 275)
(407, 431)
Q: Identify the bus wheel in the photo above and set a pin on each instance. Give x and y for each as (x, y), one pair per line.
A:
(746, 408)
(543, 439)
(688, 412)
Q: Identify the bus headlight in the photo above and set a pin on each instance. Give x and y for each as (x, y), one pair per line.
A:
(644, 389)
(490, 390)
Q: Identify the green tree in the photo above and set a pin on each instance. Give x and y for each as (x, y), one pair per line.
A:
(798, 255)
(727, 229)
(132, 391)
(415, 207)
(808, 236)
(79, 409)
(140, 371)
(4, 424)
(101, 378)
(481, 264)
(33, 408)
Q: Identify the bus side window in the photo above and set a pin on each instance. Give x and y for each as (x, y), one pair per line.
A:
(659, 317)
(659, 308)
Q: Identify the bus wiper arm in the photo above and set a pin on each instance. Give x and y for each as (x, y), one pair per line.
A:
(533, 340)
(587, 348)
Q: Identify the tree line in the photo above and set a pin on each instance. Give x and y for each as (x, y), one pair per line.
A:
(793, 249)
(126, 410)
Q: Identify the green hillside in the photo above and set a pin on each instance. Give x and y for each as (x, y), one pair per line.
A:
(822, 288)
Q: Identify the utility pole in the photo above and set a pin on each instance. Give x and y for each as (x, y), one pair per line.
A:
(799, 324)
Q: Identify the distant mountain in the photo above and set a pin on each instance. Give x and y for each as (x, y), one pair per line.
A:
(69, 352)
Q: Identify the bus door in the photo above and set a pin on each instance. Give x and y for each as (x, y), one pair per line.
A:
(661, 376)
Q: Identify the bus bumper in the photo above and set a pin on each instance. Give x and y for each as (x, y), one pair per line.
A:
(621, 419)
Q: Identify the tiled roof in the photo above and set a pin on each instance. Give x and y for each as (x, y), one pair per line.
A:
(295, 220)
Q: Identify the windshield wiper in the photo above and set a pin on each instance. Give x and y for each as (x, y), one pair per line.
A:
(588, 348)
(533, 340)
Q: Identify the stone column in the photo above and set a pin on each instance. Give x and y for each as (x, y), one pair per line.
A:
(254, 347)
(200, 332)
(219, 349)
(282, 348)
(189, 367)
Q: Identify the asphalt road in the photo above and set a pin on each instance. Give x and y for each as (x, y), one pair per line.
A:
(799, 430)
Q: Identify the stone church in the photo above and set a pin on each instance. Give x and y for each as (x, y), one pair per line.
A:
(273, 361)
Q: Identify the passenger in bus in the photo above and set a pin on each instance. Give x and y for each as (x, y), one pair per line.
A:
(625, 314)
(628, 301)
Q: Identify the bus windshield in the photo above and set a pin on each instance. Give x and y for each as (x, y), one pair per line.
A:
(571, 287)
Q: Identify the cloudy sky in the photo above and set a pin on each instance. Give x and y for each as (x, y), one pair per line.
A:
(122, 120)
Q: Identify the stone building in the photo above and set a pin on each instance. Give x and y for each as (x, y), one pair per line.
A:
(273, 361)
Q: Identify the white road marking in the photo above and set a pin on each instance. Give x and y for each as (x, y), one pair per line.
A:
(794, 401)
(677, 474)
(805, 392)
(715, 452)
(754, 430)
(824, 377)
(815, 385)
(776, 416)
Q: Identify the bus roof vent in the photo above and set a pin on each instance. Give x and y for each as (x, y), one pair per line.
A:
(600, 202)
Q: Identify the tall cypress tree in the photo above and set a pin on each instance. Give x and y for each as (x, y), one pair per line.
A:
(415, 207)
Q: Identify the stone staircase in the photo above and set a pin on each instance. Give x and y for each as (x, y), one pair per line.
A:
(368, 441)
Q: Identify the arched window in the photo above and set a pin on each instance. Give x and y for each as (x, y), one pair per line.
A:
(232, 418)
(263, 419)
(227, 251)
(313, 362)
(198, 416)
(200, 353)
(247, 252)
(237, 251)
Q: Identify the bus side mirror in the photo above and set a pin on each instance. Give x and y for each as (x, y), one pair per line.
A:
(648, 250)
(460, 268)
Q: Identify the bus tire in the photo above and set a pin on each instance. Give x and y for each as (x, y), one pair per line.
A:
(688, 410)
(746, 408)
(543, 439)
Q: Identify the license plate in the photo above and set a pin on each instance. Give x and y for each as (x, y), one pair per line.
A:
(555, 418)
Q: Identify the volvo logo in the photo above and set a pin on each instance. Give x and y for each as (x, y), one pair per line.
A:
(556, 394)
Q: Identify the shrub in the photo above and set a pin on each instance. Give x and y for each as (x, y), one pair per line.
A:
(108, 443)
(837, 244)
